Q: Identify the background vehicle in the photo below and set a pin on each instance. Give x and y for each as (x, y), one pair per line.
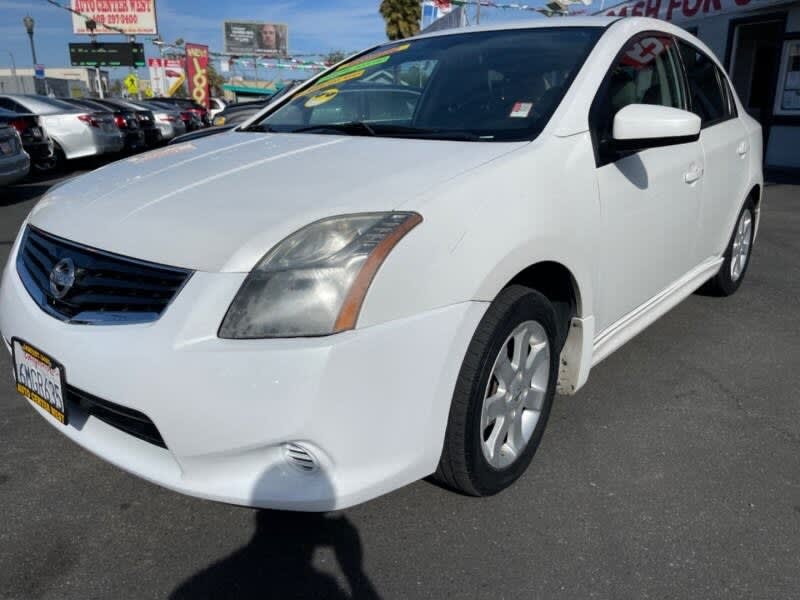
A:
(217, 105)
(76, 133)
(236, 113)
(185, 104)
(144, 117)
(167, 119)
(125, 119)
(35, 140)
(201, 133)
(14, 161)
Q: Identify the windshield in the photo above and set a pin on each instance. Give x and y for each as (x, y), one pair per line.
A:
(482, 86)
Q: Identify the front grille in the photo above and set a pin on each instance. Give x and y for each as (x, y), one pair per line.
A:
(108, 289)
(125, 419)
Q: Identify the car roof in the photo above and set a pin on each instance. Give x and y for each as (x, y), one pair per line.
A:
(532, 23)
(42, 104)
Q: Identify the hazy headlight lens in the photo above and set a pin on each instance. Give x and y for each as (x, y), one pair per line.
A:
(314, 281)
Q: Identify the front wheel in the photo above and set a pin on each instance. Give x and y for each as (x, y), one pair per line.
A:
(503, 394)
(737, 255)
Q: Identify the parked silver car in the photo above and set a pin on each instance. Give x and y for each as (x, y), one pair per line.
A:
(76, 133)
(167, 118)
(14, 161)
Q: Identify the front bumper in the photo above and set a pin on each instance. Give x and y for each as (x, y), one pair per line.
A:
(370, 404)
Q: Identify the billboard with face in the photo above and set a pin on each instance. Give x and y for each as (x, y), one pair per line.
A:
(255, 38)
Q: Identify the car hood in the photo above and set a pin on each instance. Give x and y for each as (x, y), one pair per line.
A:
(221, 202)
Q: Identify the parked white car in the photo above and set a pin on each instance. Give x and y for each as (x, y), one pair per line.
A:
(76, 133)
(215, 106)
(391, 272)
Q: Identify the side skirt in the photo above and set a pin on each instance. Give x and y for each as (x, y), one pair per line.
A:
(615, 335)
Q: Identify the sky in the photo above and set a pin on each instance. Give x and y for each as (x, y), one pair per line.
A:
(314, 25)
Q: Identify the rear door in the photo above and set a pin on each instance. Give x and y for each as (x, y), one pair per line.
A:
(650, 200)
(725, 145)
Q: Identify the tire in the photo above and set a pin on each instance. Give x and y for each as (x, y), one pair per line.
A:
(468, 463)
(734, 267)
(52, 165)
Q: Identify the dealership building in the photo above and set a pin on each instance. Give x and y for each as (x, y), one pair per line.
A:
(758, 42)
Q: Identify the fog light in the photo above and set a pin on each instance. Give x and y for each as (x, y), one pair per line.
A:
(300, 457)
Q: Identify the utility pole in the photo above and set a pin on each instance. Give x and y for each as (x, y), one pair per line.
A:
(478, 13)
(29, 23)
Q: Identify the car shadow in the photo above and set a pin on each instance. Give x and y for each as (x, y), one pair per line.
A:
(633, 169)
(278, 561)
(16, 194)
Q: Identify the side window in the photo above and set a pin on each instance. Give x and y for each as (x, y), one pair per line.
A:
(646, 72)
(710, 101)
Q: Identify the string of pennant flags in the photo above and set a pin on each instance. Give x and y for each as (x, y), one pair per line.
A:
(545, 10)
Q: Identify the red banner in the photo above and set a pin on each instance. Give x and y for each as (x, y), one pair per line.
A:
(197, 70)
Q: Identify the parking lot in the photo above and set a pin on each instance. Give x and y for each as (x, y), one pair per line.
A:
(675, 473)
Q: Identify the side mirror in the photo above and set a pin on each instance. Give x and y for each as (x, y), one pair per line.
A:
(640, 126)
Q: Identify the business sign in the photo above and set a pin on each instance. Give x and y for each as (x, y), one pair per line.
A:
(166, 75)
(197, 70)
(134, 17)
(255, 38)
(38, 71)
(97, 54)
(681, 11)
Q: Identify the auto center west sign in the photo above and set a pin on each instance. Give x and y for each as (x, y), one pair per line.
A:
(134, 17)
(681, 11)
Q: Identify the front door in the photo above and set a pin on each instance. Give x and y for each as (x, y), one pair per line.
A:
(650, 200)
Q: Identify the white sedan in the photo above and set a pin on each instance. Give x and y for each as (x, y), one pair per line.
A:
(388, 273)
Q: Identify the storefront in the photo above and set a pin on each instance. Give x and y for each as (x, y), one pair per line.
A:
(758, 41)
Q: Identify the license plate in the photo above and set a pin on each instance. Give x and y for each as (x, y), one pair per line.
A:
(40, 379)
(36, 132)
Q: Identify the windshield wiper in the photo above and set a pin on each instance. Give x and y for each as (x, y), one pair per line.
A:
(380, 130)
(351, 127)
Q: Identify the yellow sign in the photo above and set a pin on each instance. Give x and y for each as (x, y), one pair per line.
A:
(149, 92)
(321, 98)
(336, 81)
(176, 85)
(131, 83)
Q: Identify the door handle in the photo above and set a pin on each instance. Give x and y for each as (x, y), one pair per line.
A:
(742, 148)
(693, 174)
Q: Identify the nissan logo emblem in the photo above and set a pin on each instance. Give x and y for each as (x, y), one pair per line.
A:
(62, 277)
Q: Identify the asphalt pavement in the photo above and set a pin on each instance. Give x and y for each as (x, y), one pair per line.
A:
(675, 473)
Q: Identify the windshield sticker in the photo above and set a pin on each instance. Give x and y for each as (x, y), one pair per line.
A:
(521, 110)
(356, 67)
(322, 98)
(314, 89)
(392, 50)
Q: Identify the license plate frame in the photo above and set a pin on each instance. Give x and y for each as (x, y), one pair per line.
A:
(50, 370)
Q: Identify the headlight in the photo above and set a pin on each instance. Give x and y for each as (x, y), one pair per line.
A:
(315, 280)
